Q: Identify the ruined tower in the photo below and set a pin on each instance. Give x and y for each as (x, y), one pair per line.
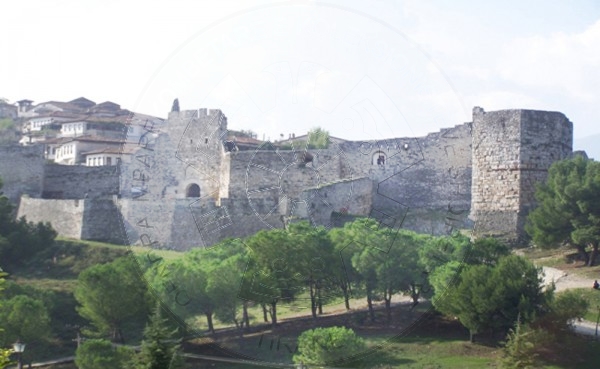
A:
(511, 152)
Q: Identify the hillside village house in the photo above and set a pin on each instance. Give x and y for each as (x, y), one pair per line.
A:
(81, 132)
(7, 110)
(108, 156)
(70, 150)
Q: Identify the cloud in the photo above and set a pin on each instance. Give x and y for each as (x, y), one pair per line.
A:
(564, 63)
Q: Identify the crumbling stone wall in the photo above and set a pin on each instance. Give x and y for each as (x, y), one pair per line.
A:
(424, 184)
(327, 204)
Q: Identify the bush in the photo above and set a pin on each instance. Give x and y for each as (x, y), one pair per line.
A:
(328, 345)
(24, 318)
(100, 354)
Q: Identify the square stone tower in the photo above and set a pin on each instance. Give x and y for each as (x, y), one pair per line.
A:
(197, 138)
(511, 152)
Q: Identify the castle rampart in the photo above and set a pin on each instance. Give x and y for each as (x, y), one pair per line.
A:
(183, 189)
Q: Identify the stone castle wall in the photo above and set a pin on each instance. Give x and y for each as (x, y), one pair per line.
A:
(80, 182)
(327, 204)
(102, 221)
(87, 219)
(22, 171)
(66, 216)
(425, 184)
(429, 184)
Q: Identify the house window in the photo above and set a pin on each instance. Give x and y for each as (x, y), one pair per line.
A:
(193, 190)
(108, 161)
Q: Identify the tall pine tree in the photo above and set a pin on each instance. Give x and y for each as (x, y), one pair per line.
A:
(160, 349)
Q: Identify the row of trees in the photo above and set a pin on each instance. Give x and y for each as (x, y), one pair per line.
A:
(465, 279)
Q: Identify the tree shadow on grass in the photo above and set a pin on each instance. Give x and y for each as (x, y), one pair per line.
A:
(374, 359)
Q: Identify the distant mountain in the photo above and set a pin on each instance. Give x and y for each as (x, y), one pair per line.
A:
(591, 145)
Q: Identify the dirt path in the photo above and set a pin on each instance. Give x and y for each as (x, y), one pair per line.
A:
(564, 280)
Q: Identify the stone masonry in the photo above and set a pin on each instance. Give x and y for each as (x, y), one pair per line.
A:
(183, 189)
(512, 151)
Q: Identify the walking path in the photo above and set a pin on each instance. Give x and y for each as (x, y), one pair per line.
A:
(564, 281)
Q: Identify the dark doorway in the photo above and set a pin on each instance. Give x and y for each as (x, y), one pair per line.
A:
(193, 190)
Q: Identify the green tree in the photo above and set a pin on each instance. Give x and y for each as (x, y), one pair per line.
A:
(322, 346)
(4, 353)
(346, 275)
(318, 138)
(568, 210)
(19, 239)
(232, 256)
(24, 318)
(562, 309)
(492, 296)
(222, 288)
(520, 348)
(111, 294)
(160, 349)
(314, 261)
(182, 286)
(101, 354)
(527, 345)
(437, 251)
(273, 273)
(388, 271)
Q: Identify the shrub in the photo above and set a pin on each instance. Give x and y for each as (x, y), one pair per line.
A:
(327, 345)
(100, 354)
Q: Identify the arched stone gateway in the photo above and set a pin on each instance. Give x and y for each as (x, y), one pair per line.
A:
(192, 190)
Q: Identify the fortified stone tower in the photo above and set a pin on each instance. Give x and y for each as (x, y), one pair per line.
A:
(511, 152)
(198, 136)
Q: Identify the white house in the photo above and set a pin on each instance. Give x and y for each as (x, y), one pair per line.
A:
(107, 156)
(73, 150)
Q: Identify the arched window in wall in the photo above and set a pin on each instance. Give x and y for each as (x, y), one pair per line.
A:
(378, 158)
(193, 190)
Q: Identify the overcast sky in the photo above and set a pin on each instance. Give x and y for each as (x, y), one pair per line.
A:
(362, 70)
